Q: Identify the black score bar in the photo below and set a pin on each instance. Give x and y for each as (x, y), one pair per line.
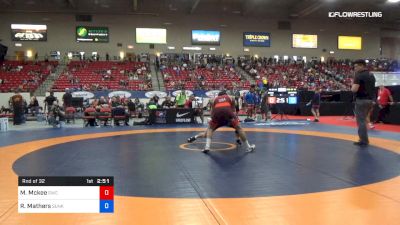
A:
(65, 181)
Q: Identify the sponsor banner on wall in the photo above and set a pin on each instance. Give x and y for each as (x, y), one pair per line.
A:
(256, 39)
(82, 94)
(161, 116)
(180, 116)
(92, 34)
(187, 92)
(212, 94)
(142, 94)
(171, 116)
(160, 94)
(121, 94)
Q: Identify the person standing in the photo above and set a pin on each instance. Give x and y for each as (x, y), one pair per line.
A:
(315, 104)
(364, 89)
(180, 99)
(17, 102)
(385, 99)
(67, 99)
(265, 106)
(251, 101)
(48, 101)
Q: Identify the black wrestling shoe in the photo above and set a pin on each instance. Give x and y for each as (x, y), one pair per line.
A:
(361, 144)
(191, 139)
(238, 142)
(205, 150)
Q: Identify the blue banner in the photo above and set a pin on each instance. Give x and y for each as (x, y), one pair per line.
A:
(257, 39)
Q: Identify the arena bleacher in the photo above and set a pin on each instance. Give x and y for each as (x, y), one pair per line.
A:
(104, 75)
(24, 75)
(203, 78)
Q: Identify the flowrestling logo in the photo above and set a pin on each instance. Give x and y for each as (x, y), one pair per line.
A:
(355, 14)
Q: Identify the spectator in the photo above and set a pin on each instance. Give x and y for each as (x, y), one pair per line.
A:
(67, 98)
(180, 98)
(315, 104)
(167, 104)
(17, 102)
(49, 101)
(34, 106)
(385, 99)
(251, 101)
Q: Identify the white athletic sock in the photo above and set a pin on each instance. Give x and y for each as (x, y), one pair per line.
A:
(208, 143)
(248, 144)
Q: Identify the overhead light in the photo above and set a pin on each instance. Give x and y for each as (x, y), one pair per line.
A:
(212, 49)
(393, 1)
(331, 52)
(18, 44)
(171, 47)
(192, 48)
(227, 54)
(256, 56)
(158, 54)
(130, 46)
(246, 49)
(29, 53)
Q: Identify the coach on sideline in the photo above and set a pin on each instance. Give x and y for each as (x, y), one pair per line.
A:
(364, 89)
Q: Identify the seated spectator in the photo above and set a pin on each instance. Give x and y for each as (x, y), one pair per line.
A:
(115, 102)
(167, 104)
(34, 106)
(120, 112)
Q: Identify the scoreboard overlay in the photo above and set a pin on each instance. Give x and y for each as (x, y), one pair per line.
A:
(65, 194)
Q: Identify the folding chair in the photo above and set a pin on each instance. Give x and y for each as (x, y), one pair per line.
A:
(105, 115)
(70, 114)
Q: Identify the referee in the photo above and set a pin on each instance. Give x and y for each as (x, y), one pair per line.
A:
(364, 89)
